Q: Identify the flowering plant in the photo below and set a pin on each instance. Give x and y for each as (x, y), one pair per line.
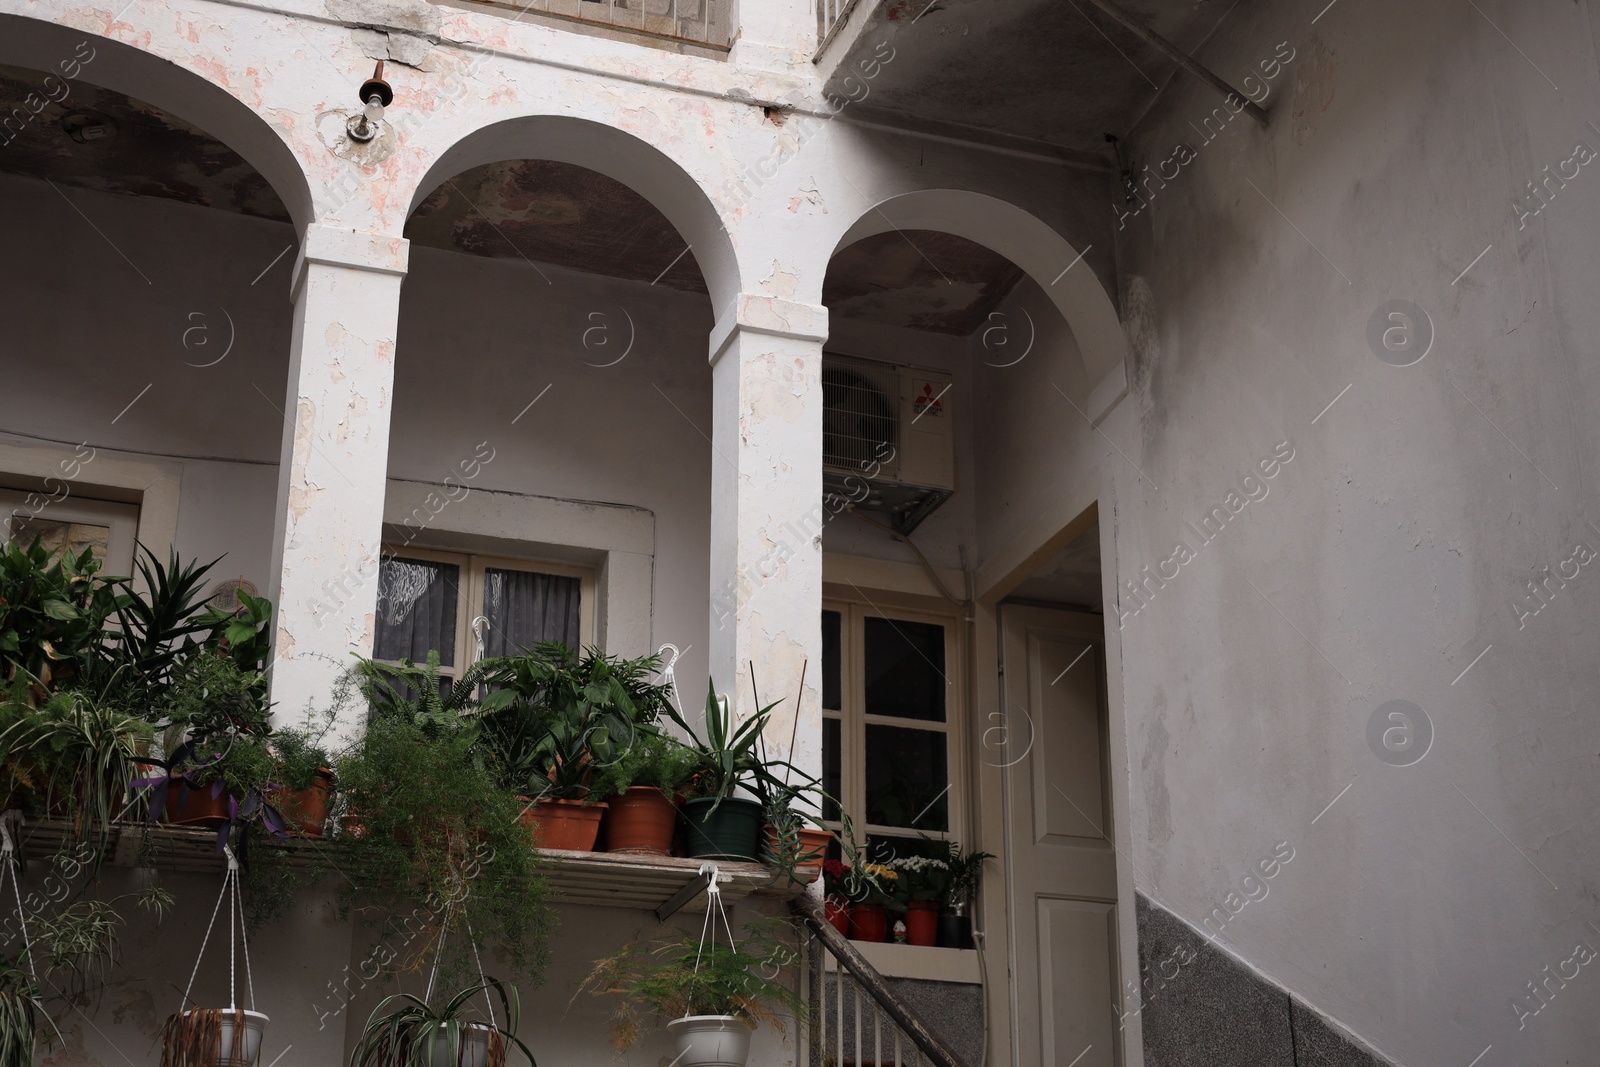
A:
(921, 877)
(878, 883)
(835, 878)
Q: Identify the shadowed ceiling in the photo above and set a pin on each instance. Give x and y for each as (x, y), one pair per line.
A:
(536, 211)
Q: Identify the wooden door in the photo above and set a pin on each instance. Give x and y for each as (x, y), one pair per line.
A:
(1062, 875)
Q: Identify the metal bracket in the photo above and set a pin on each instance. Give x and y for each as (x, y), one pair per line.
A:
(707, 881)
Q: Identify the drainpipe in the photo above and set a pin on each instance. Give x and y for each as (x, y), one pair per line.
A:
(1178, 56)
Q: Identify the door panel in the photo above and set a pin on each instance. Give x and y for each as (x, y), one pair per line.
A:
(1076, 941)
(1062, 884)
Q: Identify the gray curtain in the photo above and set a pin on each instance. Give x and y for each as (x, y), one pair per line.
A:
(525, 607)
(416, 609)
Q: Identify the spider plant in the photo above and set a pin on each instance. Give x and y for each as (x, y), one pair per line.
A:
(404, 1031)
(86, 747)
(20, 1012)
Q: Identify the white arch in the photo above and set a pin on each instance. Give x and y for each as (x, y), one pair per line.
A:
(1036, 248)
(636, 163)
(44, 46)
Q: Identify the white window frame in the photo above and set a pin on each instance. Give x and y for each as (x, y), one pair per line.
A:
(121, 519)
(469, 600)
(854, 719)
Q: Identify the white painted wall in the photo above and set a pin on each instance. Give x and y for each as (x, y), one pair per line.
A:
(1390, 549)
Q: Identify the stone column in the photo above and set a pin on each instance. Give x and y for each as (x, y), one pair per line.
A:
(327, 530)
(766, 516)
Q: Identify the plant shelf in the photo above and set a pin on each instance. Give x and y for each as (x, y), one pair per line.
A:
(595, 879)
(650, 883)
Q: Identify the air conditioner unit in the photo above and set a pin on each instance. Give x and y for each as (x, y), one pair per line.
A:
(888, 443)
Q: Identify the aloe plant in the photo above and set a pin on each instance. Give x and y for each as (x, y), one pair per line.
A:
(728, 753)
(403, 1030)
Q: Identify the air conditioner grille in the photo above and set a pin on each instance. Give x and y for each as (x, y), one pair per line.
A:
(860, 421)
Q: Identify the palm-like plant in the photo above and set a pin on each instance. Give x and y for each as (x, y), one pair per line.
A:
(418, 693)
(728, 752)
(404, 1031)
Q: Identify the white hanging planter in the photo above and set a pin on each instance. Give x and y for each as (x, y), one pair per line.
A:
(474, 1048)
(711, 1040)
(254, 1026)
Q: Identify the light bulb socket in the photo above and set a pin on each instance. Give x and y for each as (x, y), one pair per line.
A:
(376, 86)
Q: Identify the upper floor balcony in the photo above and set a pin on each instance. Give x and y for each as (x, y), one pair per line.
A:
(708, 23)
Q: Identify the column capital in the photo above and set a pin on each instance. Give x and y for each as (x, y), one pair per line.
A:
(336, 246)
(770, 315)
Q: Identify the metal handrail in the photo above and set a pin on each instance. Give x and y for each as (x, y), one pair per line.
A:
(866, 978)
(831, 16)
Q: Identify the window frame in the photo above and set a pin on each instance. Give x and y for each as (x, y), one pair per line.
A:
(853, 718)
(121, 519)
(469, 602)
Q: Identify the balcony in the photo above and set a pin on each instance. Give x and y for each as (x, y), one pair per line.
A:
(704, 23)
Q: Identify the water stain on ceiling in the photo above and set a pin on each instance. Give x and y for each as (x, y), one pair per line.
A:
(533, 210)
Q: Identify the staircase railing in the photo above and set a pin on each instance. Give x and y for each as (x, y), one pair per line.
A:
(857, 1019)
(831, 15)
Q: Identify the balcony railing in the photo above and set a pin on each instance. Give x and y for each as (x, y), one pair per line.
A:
(701, 22)
(831, 15)
(856, 1018)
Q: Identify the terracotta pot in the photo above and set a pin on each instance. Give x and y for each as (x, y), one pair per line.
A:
(306, 810)
(198, 808)
(812, 851)
(640, 822)
(869, 922)
(837, 912)
(922, 923)
(568, 825)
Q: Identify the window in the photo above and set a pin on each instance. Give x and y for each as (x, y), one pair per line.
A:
(889, 702)
(428, 600)
(66, 522)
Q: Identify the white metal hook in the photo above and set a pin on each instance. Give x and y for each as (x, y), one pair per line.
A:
(480, 626)
(233, 861)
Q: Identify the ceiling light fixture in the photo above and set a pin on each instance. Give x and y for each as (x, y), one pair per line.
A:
(86, 126)
(375, 96)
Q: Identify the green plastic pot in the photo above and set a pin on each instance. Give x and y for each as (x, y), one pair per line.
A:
(732, 832)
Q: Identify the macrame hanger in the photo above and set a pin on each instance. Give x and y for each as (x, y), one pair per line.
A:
(11, 821)
(667, 677)
(230, 893)
(473, 941)
(714, 909)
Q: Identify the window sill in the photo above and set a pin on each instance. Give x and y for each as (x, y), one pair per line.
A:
(958, 965)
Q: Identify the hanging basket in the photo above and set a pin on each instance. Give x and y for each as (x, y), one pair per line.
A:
(711, 1040)
(213, 1037)
(218, 1037)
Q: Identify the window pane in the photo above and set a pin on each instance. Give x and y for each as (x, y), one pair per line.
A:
(832, 779)
(883, 848)
(56, 537)
(525, 608)
(905, 669)
(830, 662)
(416, 609)
(907, 778)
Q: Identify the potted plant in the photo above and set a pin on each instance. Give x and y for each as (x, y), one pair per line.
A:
(214, 716)
(836, 886)
(213, 1037)
(794, 841)
(641, 785)
(558, 718)
(924, 883)
(304, 774)
(955, 925)
(404, 1031)
(877, 895)
(83, 751)
(721, 824)
(437, 824)
(711, 996)
(53, 613)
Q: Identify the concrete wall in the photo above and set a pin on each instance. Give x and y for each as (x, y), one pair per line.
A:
(1390, 551)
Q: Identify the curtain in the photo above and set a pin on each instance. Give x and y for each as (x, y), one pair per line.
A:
(416, 609)
(525, 607)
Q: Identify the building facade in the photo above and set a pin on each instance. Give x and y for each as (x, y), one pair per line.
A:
(1226, 577)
